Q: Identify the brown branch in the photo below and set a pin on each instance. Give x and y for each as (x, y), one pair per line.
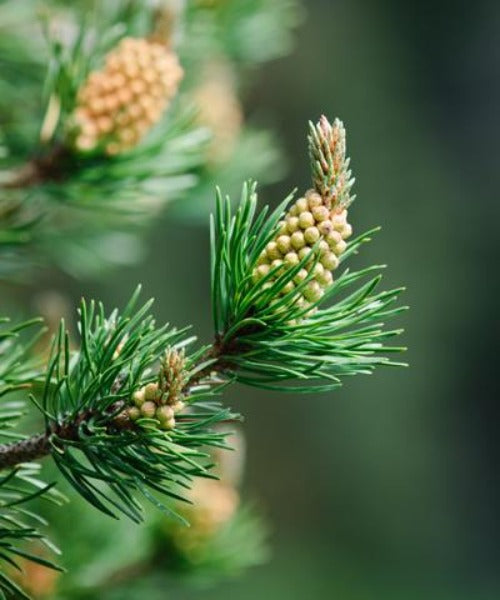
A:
(220, 353)
(33, 448)
(40, 445)
(52, 166)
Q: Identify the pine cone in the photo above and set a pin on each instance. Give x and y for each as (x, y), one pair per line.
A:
(320, 217)
(119, 104)
(164, 399)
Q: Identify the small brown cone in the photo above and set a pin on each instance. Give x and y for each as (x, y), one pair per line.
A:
(120, 103)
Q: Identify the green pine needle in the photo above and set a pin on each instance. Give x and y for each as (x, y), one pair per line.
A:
(272, 343)
(87, 389)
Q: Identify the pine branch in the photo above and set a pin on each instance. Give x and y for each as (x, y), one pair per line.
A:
(92, 177)
(87, 401)
(130, 410)
(26, 450)
(18, 370)
(19, 485)
(271, 274)
(19, 525)
(40, 445)
(270, 332)
(127, 413)
(55, 165)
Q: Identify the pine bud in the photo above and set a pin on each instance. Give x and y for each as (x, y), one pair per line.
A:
(150, 391)
(284, 244)
(306, 220)
(313, 291)
(304, 252)
(139, 398)
(311, 235)
(330, 261)
(168, 425)
(292, 223)
(318, 270)
(165, 417)
(148, 409)
(340, 248)
(301, 276)
(333, 238)
(325, 227)
(164, 398)
(314, 200)
(275, 266)
(262, 260)
(346, 231)
(283, 228)
(291, 259)
(179, 406)
(321, 213)
(324, 278)
(133, 413)
(260, 272)
(301, 206)
(273, 251)
(118, 104)
(297, 240)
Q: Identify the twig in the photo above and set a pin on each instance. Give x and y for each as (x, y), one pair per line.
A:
(52, 166)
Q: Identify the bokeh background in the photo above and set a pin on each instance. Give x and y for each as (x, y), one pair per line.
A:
(387, 488)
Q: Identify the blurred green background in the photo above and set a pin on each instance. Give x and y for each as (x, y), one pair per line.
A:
(387, 488)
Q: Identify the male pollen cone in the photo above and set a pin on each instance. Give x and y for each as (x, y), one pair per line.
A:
(318, 219)
(120, 103)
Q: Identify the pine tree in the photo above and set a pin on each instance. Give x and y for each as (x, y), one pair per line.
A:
(134, 411)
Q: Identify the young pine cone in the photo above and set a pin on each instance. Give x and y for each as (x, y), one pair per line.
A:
(119, 104)
(319, 218)
(164, 399)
